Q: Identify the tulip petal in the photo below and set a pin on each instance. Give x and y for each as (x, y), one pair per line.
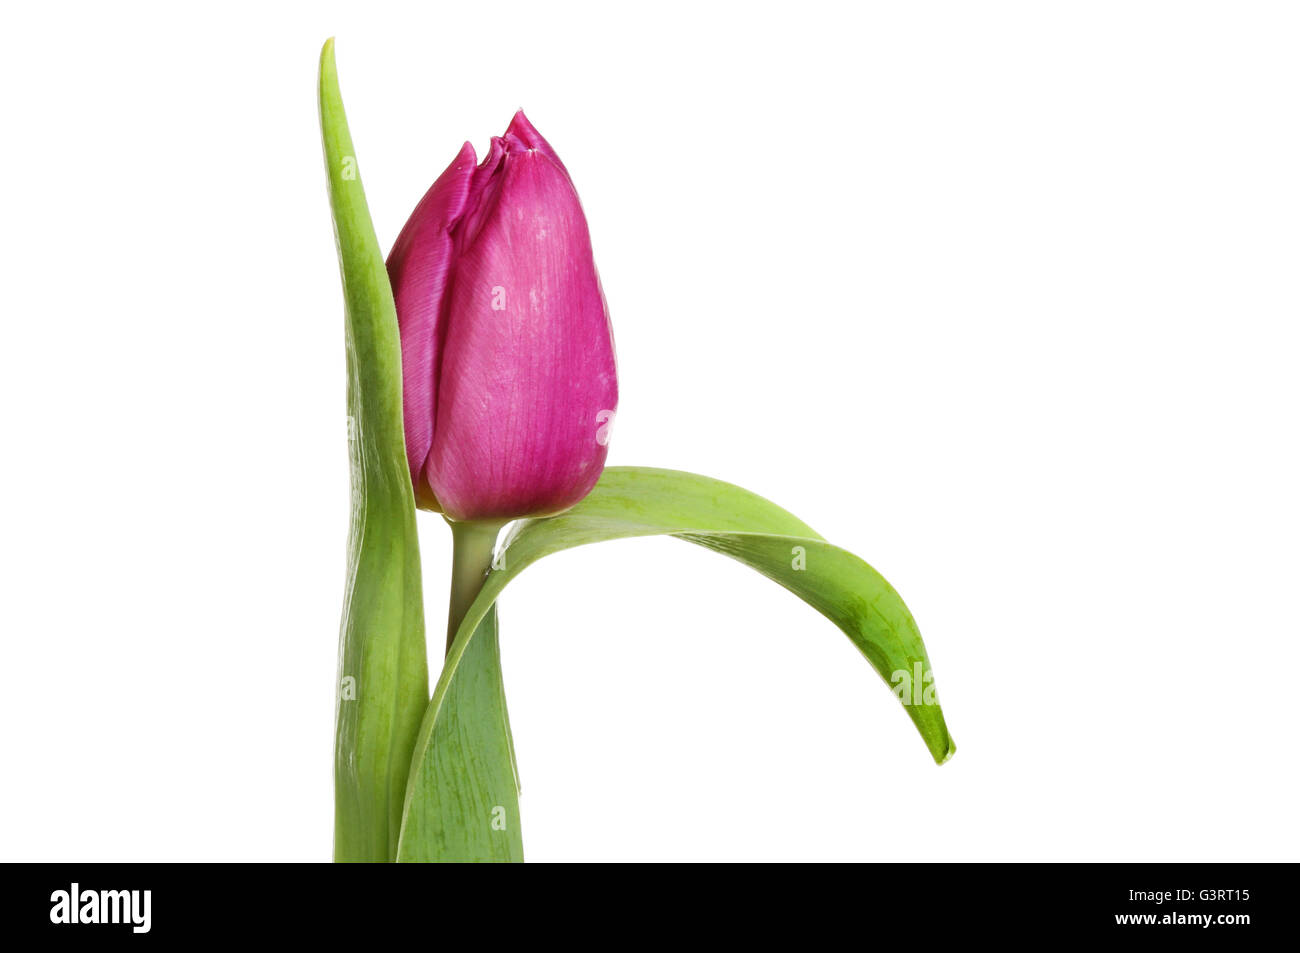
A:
(527, 380)
(520, 128)
(483, 193)
(418, 267)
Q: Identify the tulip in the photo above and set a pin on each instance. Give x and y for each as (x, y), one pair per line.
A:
(509, 388)
(508, 373)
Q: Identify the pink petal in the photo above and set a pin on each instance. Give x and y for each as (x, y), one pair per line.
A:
(528, 383)
(521, 129)
(418, 268)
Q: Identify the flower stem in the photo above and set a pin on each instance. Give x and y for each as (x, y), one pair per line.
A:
(471, 559)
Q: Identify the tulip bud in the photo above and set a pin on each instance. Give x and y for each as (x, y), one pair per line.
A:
(508, 375)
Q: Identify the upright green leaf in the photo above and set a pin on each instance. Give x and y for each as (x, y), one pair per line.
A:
(383, 671)
(470, 812)
(635, 501)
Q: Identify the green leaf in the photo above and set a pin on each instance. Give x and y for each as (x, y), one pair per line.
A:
(635, 501)
(383, 671)
(470, 814)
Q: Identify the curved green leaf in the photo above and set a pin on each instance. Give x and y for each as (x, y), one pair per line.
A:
(636, 501)
(383, 673)
(471, 815)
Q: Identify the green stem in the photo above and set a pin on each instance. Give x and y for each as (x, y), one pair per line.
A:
(471, 559)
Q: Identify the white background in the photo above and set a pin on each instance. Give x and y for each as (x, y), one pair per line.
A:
(1002, 296)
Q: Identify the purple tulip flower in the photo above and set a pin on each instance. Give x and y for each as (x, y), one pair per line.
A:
(508, 369)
